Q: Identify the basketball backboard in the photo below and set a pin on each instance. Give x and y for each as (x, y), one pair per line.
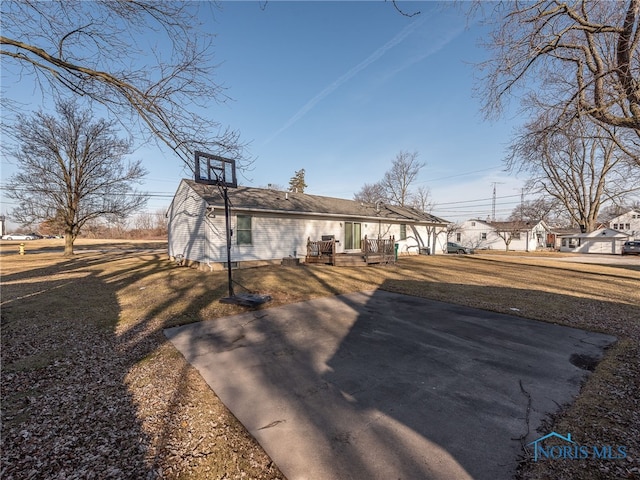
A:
(215, 170)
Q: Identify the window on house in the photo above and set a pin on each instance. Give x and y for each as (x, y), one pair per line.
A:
(473, 224)
(403, 232)
(243, 230)
(458, 237)
(627, 226)
(515, 235)
(483, 236)
(615, 226)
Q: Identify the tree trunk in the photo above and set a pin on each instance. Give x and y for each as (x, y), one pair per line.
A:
(69, 238)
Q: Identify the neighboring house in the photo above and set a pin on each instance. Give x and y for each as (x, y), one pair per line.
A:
(269, 225)
(628, 223)
(554, 237)
(604, 240)
(517, 235)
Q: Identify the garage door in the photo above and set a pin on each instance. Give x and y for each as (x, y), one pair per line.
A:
(600, 246)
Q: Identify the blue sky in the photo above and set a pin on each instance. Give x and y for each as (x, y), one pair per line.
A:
(339, 88)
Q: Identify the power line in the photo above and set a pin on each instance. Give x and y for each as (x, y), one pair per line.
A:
(460, 174)
(126, 194)
(477, 200)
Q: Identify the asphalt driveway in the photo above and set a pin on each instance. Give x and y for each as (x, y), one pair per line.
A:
(382, 385)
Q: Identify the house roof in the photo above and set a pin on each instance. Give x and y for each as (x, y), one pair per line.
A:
(601, 233)
(566, 231)
(512, 225)
(622, 215)
(515, 225)
(274, 201)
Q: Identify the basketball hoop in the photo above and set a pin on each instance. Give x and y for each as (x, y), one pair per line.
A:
(216, 170)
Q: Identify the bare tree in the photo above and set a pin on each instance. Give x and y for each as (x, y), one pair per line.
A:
(53, 225)
(580, 166)
(581, 56)
(371, 193)
(543, 208)
(72, 168)
(149, 225)
(398, 180)
(144, 60)
(162, 222)
(144, 221)
(509, 231)
(422, 199)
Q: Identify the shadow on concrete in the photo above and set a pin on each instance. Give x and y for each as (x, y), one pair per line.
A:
(383, 385)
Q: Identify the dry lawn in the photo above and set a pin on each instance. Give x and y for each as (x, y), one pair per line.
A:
(92, 389)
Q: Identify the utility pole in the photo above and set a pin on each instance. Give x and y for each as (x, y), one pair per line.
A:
(493, 203)
(521, 203)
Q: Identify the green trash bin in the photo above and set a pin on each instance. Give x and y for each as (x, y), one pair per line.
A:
(396, 250)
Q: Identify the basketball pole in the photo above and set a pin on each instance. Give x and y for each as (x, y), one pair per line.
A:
(227, 216)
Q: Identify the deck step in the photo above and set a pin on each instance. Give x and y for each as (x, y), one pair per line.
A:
(350, 260)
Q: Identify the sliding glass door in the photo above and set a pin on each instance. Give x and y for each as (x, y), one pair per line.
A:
(352, 235)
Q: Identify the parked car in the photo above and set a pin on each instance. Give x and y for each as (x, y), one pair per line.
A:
(20, 236)
(631, 248)
(457, 248)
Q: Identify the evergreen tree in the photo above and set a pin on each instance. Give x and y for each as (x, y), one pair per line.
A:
(296, 184)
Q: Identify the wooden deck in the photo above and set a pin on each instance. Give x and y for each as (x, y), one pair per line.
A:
(373, 251)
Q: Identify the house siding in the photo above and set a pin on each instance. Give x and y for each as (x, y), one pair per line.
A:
(479, 235)
(628, 223)
(277, 238)
(186, 216)
(200, 236)
(420, 236)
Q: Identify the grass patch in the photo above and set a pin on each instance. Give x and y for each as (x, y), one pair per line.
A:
(86, 367)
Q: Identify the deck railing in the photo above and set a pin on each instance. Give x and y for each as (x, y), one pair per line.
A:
(321, 248)
(379, 247)
(372, 250)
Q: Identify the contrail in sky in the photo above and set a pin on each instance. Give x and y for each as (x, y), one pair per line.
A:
(347, 76)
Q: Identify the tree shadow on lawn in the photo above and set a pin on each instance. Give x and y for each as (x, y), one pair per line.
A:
(66, 408)
(69, 352)
(322, 372)
(67, 356)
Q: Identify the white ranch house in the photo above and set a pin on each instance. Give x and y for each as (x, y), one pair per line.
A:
(269, 225)
(485, 235)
